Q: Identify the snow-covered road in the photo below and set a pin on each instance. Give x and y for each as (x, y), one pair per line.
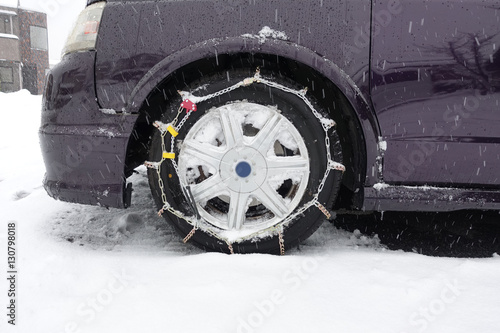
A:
(88, 269)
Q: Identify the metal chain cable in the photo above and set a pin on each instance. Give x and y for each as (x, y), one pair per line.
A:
(282, 242)
(326, 123)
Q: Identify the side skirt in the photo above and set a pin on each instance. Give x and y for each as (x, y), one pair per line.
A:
(385, 197)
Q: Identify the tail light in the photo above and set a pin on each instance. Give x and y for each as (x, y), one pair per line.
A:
(84, 34)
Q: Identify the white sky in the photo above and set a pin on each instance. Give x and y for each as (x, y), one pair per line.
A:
(61, 15)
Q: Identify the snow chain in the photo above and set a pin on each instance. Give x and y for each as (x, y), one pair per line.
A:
(188, 104)
(282, 242)
(188, 237)
(230, 247)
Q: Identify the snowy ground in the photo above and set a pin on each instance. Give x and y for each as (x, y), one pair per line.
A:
(80, 270)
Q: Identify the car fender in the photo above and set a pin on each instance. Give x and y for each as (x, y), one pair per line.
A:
(214, 47)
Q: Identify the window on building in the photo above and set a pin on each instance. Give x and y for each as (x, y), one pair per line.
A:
(6, 75)
(5, 24)
(38, 37)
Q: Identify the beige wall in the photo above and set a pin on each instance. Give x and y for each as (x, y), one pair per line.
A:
(16, 85)
(9, 49)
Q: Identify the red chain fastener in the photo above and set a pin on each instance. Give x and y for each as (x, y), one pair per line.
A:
(188, 105)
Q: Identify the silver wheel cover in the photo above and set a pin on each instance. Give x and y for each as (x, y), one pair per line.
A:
(247, 166)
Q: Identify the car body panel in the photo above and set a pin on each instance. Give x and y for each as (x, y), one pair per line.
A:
(402, 103)
(83, 148)
(154, 56)
(436, 92)
(139, 35)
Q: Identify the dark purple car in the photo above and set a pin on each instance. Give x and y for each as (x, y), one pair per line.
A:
(257, 119)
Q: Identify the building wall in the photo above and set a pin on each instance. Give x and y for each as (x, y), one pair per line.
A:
(10, 53)
(28, 59)
(15, 19)
(9, 49)
(35, 61)
(16, 82)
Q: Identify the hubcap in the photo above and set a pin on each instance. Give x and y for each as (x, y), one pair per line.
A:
(247, 166)
(236, 169)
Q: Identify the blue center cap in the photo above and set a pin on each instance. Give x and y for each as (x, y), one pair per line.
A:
(243, 169)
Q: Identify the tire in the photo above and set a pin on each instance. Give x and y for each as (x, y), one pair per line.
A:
(251, 157)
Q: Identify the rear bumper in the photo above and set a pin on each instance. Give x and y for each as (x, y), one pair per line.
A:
(84, 149)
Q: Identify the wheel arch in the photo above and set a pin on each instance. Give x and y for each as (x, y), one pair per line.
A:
(356, 120)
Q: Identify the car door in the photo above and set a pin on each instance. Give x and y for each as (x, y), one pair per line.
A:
(435, 87)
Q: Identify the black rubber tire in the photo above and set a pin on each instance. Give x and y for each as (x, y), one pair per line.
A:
(295, 110)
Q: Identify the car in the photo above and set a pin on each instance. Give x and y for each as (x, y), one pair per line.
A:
(258, 120)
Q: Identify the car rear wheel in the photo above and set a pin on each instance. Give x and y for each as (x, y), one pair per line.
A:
(252, 164)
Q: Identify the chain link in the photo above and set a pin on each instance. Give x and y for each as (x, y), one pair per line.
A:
(158, 171)
(282, 242)
(188, 237)
(183, 121)
(326, 123)
(230, 247)
(323, 210)
(174, 122)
